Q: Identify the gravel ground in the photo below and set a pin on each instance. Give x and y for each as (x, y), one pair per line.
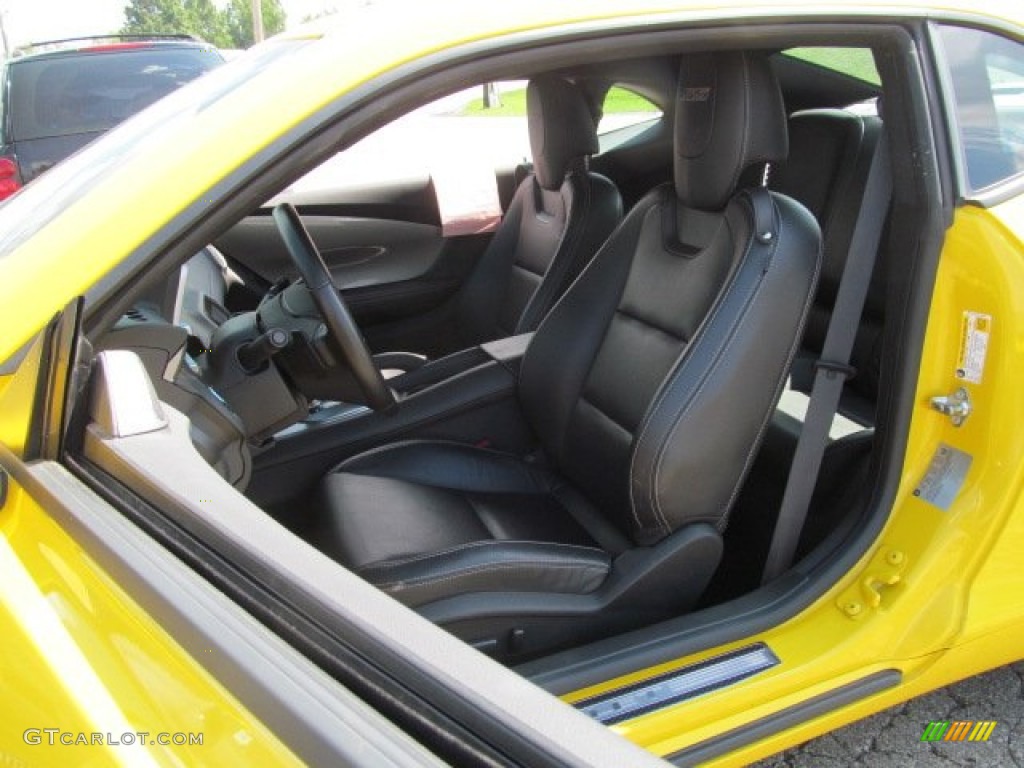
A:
(893, 738)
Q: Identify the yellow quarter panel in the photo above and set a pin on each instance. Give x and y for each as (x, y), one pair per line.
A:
(989, 245)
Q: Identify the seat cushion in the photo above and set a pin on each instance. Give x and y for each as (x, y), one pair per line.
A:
(425, 519)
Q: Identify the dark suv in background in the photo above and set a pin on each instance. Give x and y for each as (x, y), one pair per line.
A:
(60, 95)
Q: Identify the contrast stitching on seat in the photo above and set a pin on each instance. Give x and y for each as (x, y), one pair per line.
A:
(718, 354)
(342, 466)
(729, 338)
(384, 449)
(478, 544)
(723, 515)
(489, 567)
(436, 417)
(667, 388)
(755, 289)
(665, 198)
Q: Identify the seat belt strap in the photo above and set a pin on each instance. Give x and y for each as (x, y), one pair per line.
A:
(833, 368)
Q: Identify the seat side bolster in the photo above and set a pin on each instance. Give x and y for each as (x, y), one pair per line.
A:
(749, 337)
(491, 566)
(477, 305)
(594, 208)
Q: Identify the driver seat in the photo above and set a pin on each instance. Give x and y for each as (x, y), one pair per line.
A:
(648, 387)
(560, 215)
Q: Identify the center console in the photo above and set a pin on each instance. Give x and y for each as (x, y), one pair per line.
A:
(467, 397)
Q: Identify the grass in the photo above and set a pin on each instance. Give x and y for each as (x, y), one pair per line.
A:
(621, 100)
(855, 62)
(513, 104)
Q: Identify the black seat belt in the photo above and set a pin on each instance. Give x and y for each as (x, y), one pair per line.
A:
(832, 369)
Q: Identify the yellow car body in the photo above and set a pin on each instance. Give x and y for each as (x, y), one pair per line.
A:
(937, 597)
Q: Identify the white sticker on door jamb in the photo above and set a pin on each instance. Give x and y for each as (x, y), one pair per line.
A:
(975, 330)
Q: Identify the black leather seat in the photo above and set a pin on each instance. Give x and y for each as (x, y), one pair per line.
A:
(558, 218)
(648, 387)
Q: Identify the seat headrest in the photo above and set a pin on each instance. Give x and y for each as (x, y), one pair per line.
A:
(562, 128)
(729, 115)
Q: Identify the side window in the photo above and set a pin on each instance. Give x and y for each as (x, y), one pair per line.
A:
(456, 145)
(987, 74)
(623, 108)
(493, 115)
(479, 129)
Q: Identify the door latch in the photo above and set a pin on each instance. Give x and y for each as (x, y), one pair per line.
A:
(957, 406)
(876, 585)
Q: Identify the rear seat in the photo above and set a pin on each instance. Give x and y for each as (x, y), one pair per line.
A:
(830, 152)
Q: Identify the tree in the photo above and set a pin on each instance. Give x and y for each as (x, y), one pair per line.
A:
(238, 21)
(193, 17)
(227, 28)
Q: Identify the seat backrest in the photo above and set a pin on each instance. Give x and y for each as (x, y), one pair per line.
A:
(650, 383)
(559, 217)
(830, 153)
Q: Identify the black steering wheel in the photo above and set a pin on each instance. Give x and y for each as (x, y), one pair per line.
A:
(336, 316)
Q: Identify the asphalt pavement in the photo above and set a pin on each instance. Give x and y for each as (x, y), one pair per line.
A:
(892, 739)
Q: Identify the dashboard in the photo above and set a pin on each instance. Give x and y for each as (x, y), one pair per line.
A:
(241, 378)
(172, 330)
